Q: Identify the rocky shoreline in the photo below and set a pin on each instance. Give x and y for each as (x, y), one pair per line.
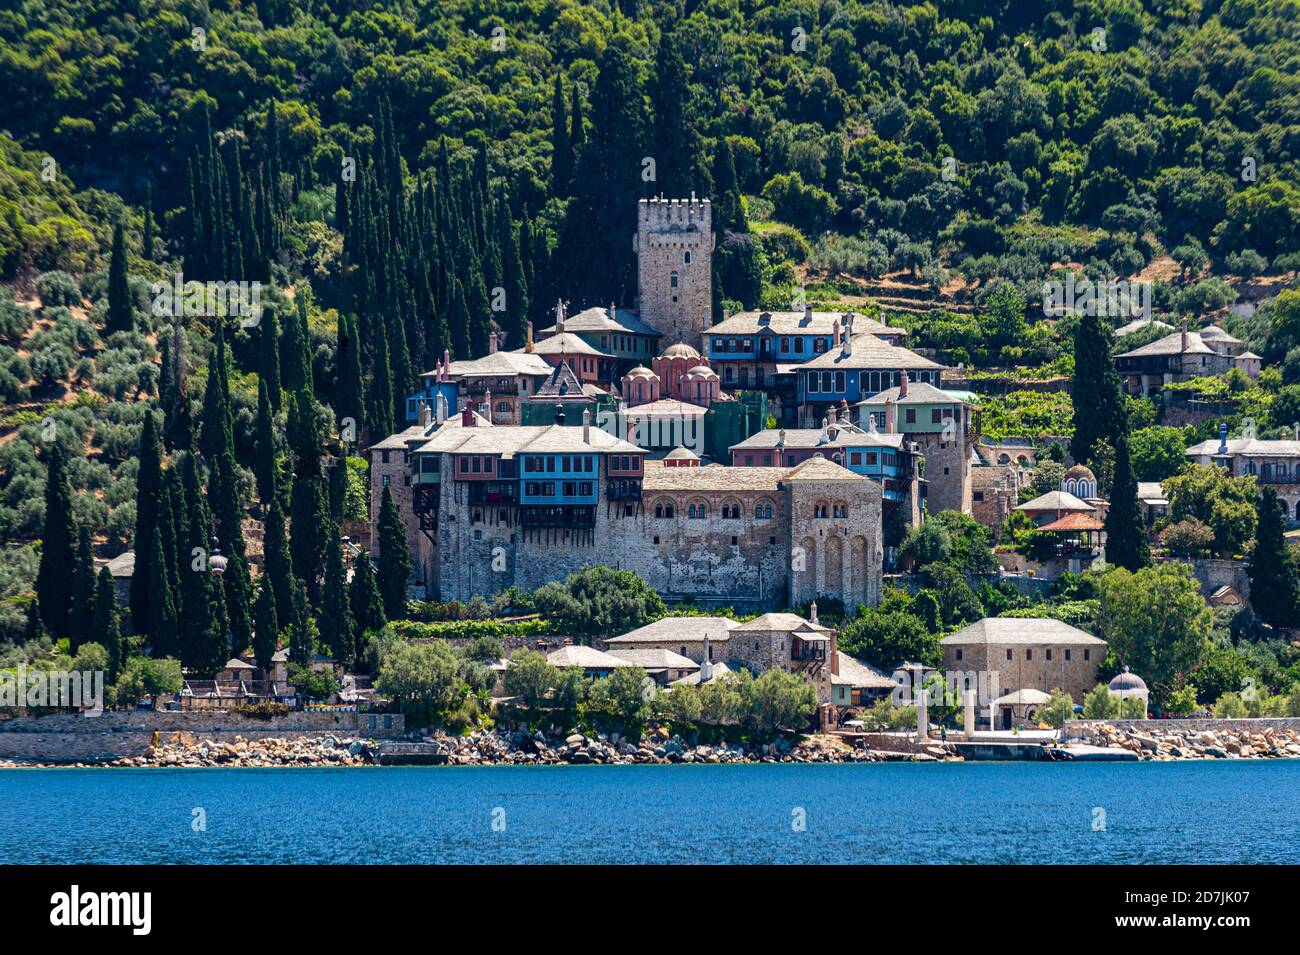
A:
(493, 748)
(1180, 743)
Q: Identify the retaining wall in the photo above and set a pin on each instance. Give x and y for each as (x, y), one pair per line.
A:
(1077, 729)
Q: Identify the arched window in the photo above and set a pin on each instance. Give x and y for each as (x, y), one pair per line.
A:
(686, 256)
(673, 280)
(731, 510)
(663, 509)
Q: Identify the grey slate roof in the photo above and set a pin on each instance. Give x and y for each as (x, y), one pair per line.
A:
(597, 319)
(1025, 631)
(870, 352)
(798, 323)
(1248, 446)
(918, 393)
(690, 629)
(1171, 345)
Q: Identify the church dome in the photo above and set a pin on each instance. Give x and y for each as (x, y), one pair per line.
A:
(1080, 473)
(1127, 682)
(641, 371)
(680, 350)
(701, 371)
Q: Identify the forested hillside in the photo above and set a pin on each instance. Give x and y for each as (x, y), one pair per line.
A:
(400, 176)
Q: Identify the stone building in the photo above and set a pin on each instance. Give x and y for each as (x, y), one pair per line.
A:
(945, 425)
(488, 507)
(995, 493)
(674, 244)
(1026, 654)
(1275, 463)
(1176, 357)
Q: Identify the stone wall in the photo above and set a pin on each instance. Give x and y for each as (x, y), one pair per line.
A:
(66, 737)
(668, 232)
(1029, 667)
(1079, 729)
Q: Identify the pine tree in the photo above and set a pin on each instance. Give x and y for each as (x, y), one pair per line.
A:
(148, 485)
(1095, 390)
(58, 547)
(105, 630)
(336, 615)
(561, 150)
(266, 631)
(366, 603)
(120, 316)
(1126, 538)
(1272, 569)
(264, 463)
(394, 558)
(82, 617)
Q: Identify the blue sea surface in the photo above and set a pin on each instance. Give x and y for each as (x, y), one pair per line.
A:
(1176, 812)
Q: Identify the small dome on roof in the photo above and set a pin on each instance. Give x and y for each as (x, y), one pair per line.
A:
(680, 350)
(1127, 681)
(641, 371)
(681, 454)
(701, 371)
(1080, 473)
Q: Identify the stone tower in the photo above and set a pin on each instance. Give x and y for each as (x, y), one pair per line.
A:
(674, 245)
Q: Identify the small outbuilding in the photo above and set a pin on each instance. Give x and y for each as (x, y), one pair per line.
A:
(1127, 686)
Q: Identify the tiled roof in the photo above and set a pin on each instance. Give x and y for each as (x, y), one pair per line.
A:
(1076, 521)
(1213, 333)
(656, 658)
(597, 319)
(1248, 446)
(918, 393)
(1028, 697)
(589, 658)
(1151, 491)
(666, 406)
(1020, 630)
(845, 435)
(797, 323)
(710, 477)
(692, 679)
(668, 629)
(1138, 324)
(782, 621)
(1171, 345)
(1055, 501)
(503, 363)
(870, 352)
(858, 673)
(562, 383)
(565, 343)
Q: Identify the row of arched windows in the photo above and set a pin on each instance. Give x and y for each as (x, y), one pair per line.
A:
(698, 510)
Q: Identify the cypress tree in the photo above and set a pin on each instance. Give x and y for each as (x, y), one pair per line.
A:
(82, 618)
(308, 514)
(147, 241)
(33, 629)
(336, 615)
(300, 639)
(513, 280)
(677, 148)
(105, 630)
(264, 462)
(266, 630)
(1274, 591)
(380, 415)
(394, 558)
(278, 563)
(458, 321)
(268, 366)
(348, 396)
(577, 125)
(1095, 390)
(164, 617)
(174, 396)
(148, 485)
(1126, 539)
(561, 150)
(58, 547)
(366, 603)
(120, 316)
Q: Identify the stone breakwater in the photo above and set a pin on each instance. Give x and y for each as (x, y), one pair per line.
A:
(495, 748)
(1192, 743)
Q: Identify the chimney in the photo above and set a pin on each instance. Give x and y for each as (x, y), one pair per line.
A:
(807, 313)
(559, 316)
(847, 348)
(1223, 437)
(467, 416)
(835, 332)
(613, 312)
(812, 612)
(441, 404)
(780, 438)
(902, 384)
(1184, 337)
(424, 414)
(586, 426)
(487, 400)
(706, 664)
(446, 364)
(528, 343)
(492, 343)
(559, 413)
(891, 416)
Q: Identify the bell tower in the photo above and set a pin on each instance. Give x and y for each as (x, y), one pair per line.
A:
(674, 245)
